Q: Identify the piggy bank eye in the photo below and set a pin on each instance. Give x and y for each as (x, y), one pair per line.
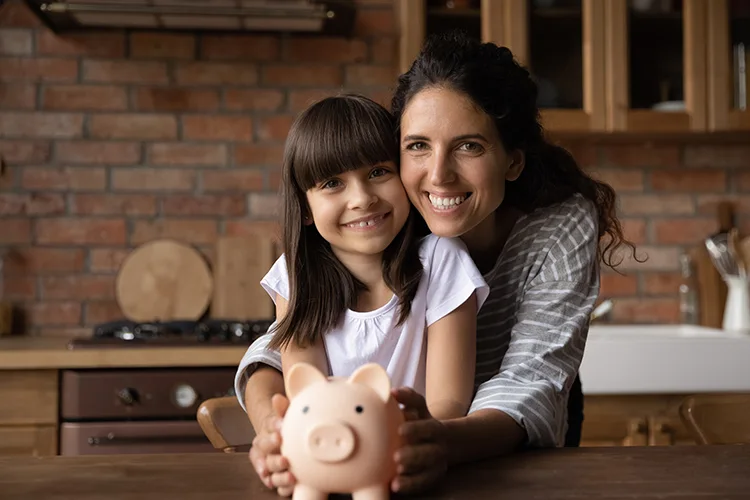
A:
(359, 409)
(305, 408)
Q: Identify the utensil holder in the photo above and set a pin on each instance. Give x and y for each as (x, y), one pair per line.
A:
(737, 309)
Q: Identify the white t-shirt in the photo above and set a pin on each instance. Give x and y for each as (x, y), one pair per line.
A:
(449, 278)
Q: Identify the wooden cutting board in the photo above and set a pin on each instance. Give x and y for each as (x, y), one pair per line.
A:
(164, 280)
(240, 262)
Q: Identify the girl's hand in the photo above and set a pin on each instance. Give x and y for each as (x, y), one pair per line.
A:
(265, 453)
(423, 458)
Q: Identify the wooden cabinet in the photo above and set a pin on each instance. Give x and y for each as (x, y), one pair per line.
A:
(28, 412)
(611, 65)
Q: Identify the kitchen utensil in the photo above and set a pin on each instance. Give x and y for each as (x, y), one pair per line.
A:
(712, 289)
(240, 263)
(164, 280)
(721, 254)
(737, 310)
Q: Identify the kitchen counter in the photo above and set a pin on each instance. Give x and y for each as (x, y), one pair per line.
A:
(35, 353)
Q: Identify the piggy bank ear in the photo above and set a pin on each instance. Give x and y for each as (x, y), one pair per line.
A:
(300, 376)
(374, 376)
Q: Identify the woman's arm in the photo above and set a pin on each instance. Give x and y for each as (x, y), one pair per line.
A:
(451, 360)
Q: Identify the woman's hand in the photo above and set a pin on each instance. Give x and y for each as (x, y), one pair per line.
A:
(423, 457)
(265, 453)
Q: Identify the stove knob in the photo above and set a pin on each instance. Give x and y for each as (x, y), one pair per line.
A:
(128, 396)
(185, 396)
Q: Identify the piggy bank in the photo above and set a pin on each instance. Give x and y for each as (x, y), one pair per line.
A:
(339, 435)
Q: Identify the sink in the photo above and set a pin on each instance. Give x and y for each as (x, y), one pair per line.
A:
(664, 359)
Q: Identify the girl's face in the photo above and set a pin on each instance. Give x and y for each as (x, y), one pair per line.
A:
(360, 212)
(453, 164)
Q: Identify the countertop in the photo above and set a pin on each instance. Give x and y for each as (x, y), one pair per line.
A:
(35, 353)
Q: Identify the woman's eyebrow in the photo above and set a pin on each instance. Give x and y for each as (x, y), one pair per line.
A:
(470, 136)
(415, 138)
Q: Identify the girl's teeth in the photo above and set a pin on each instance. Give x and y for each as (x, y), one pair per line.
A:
(363, 223)
(446, 202)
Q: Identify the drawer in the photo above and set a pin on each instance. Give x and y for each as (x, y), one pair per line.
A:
(28, 397)
(28, 440)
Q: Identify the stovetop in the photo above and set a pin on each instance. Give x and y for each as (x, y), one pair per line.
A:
(214, 332)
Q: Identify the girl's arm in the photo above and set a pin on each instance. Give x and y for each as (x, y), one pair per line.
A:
(451, 360)
(291, 354)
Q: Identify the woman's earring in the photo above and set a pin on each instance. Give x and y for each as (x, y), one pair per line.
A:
(307, 221)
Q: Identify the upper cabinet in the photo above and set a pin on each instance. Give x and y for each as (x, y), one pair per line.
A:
(611, 65)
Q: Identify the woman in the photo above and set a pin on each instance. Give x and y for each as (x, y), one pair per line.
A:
(476, 165)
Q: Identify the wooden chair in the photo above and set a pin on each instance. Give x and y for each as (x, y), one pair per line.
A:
(717, 418)
(225, 424)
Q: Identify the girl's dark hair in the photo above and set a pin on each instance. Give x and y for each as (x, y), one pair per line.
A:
(336, 135)
(504, 89)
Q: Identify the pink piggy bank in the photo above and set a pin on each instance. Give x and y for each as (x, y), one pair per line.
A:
(339, 435)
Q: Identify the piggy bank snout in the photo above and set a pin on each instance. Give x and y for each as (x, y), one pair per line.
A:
(331, 442)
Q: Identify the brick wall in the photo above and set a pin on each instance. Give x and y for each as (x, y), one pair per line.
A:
(110, 140)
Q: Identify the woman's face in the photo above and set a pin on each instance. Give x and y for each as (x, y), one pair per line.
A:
(453, 164)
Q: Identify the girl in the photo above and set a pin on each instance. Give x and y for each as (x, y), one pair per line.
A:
(356, 283)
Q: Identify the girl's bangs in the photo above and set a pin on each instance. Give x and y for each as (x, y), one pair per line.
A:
(340, 135)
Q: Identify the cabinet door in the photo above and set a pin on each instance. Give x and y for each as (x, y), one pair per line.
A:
(728, 64)
(28, 440)
(656, 65)
(562, 43)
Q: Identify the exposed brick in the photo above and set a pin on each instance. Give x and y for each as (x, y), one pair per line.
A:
(133, 126)
(95, 44)
(301, 99)
(646, 310)
(197, 231)
(22, 151)
(113, 204)
(383, 97)
(634, 230)
(38, 260)
(274, 180)
(102, 311)
(125, 71)
(368, 75)
(719, 156)
(640, 155)
(17, 96)
(217, 128)
(78, 287)
(253, 99)
(708, 203)
(52, 313)
(148, 179)
(241, 47)
(684, 231)
(375, 22)
(64, 178)
(52, 125)
(107, 260)
(224, 204)
(31, 204)
(19, 288)
(38, 70)
(326, 49)
(274, 128)
(302, 75)
(85, 97)
(384, 51)
(258, 155)
(743, 181)
(15, 14)
(15, 231)
(175, 99)
(652, 258)
(69, 231)
(249, 227)
(672, 204)
(153, 45)
(209, 155)
(8, 180)
(242, 180)
(661, 283)
(692, 181)
(204, 73)
(264, 205)
(621, 180)
(15, 42)
(98, 152)
(617, 285)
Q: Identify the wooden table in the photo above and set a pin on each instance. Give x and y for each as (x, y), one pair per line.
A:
(704, 472)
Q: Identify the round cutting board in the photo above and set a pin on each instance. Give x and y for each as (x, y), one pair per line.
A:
(164, 280)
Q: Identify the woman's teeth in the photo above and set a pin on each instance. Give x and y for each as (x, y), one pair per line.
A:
(443, 203)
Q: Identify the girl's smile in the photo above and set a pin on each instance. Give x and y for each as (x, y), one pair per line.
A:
(368, 223)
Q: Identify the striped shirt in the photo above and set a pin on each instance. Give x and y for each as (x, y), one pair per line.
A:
(532, 329)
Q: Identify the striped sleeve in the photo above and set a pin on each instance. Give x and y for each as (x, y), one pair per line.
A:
(258, 353)
(548, 336)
